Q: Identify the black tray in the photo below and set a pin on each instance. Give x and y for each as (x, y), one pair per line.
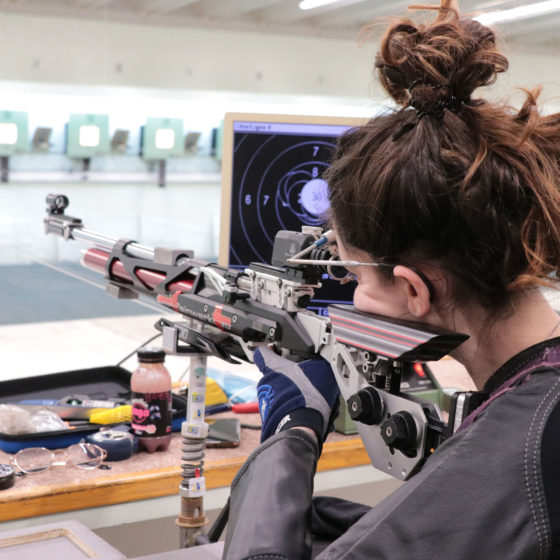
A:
(100, 383)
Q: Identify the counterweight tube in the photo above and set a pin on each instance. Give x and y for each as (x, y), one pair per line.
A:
(96, 259)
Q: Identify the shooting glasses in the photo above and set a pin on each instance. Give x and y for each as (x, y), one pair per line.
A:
(38, 459)
(337, 269)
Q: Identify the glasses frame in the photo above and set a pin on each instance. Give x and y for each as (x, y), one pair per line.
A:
(55, 460)
(328, 238)
(349, 277)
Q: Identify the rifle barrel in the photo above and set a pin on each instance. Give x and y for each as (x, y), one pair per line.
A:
(133, 249)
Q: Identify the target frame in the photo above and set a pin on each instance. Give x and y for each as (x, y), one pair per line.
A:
(258, 123)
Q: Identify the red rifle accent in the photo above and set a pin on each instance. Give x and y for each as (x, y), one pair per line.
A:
(220, 320)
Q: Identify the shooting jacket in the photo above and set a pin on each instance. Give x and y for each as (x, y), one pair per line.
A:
(490, 492)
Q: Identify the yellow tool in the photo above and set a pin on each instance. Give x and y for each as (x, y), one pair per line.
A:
(112, 415)
(214, 392)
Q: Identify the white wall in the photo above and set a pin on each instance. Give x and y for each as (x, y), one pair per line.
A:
(72, 51)
(44, 49)
(82, 65)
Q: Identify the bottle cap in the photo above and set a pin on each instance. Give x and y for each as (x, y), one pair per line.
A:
(151, 354)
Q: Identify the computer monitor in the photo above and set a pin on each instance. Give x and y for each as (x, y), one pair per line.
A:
(272, 168)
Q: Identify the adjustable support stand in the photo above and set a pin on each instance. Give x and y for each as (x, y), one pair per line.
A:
(194, 431)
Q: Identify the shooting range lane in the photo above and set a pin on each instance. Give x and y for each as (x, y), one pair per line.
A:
(73, 293)
(77, 344)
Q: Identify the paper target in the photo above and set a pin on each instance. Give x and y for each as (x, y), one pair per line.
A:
(280, 187)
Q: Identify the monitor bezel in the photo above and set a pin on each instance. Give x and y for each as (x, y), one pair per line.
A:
(227, 159)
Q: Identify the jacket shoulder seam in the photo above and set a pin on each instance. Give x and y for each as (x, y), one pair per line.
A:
(533, 476)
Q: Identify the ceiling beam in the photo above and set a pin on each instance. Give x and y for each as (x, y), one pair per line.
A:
(358, 14)
(220, 9)
(87, 4)
(155, 7)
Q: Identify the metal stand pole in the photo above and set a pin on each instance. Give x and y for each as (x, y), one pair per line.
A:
(5, 168)
(161, 172)
(194, 430)
(86, 167)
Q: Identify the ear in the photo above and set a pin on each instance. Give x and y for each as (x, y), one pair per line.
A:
(416, 292)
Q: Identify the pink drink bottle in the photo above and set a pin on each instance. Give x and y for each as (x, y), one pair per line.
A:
(150, 387)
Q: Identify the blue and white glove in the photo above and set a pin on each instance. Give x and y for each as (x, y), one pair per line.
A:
(295, 395)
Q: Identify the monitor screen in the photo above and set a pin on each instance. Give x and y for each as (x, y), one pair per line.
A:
(272, 168)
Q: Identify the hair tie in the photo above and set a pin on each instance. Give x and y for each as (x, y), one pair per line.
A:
(451, 102)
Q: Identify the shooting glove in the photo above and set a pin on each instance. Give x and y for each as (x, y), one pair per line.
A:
(294, 395)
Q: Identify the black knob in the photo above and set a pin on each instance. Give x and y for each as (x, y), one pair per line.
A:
(399, 431)
(303, 301)
(366, 406)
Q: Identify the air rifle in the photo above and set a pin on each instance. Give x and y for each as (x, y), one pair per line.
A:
(228, 312)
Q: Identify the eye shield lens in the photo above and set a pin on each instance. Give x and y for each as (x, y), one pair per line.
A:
(338, 273)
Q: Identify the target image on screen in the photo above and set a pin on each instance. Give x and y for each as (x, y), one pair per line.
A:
(272, 170)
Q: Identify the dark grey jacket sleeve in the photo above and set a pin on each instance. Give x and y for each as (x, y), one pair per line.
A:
(479, 496)
(270, 503)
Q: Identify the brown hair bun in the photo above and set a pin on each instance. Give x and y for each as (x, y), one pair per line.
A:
(423, 64)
